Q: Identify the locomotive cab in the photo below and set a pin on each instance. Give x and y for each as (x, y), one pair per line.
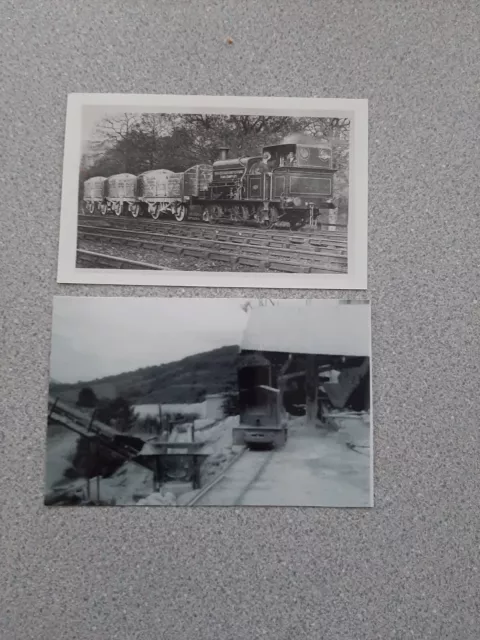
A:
(302, 178)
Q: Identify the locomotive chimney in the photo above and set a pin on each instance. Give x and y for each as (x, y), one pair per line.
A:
(223, 151)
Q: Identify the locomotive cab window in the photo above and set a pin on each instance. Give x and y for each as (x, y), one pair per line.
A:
(283, 155)
(311, 185)
(318, 156)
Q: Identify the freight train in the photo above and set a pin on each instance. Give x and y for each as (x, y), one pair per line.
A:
(290, 183)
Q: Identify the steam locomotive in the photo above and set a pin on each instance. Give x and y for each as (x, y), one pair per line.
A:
(290, 183)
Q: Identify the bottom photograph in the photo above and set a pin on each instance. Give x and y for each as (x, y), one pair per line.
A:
(209, 402)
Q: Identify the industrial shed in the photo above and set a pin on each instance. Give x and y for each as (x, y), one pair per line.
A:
(306, 343)
(329, 327)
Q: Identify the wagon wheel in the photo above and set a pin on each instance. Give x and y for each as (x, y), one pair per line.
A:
(117, 208)
(135, 210)
(94, 208)
(103, 208)
(155, 212)
(181, 213)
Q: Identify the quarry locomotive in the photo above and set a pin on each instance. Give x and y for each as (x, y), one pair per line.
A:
(289, 182)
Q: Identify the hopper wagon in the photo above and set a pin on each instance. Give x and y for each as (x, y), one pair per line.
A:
(121, 194)
(93, 194)
(164, 192)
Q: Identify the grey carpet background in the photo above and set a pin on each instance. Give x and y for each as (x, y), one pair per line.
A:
(409, 567)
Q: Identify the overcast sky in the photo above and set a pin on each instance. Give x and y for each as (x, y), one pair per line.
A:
(96, 337)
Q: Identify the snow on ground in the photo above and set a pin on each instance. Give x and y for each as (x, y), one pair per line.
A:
(218, 445)
(126, 486)
(144, 410)
(203, 423)
(354, 428)
(230, 489)
(133, 484)
(315, 468)
(59, 455)
(159, 499)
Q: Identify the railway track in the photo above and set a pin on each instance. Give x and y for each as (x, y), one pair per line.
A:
(340, 229)
(270, 250)
(91, 259)
(232, 484)
(201, 228)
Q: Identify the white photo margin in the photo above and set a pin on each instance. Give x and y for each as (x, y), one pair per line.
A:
(355, 110)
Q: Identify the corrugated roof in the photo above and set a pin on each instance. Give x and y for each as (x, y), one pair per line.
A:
(330, 329)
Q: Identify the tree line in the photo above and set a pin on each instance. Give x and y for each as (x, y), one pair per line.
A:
(134, 143)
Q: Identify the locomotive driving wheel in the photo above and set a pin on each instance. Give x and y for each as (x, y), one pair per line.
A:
(296, 224)
(234, 213)
(180, 213)
(211, 213)
(261, 216)
(245, 212)
(273, 215)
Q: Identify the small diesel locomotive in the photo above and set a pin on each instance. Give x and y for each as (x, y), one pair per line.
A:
(289, 183)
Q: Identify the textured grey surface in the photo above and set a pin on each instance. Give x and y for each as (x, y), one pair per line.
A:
(408, 568)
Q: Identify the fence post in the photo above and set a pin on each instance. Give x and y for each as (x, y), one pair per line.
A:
(160, 420)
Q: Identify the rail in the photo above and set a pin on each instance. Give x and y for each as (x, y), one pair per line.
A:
(215, 480)
(101, 259)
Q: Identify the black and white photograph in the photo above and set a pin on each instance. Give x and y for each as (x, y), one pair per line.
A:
(200, 191)
(209, 402)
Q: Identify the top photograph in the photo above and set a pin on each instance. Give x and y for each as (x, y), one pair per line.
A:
(215, 191)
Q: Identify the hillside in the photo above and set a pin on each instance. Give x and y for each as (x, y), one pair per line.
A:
(182, 381)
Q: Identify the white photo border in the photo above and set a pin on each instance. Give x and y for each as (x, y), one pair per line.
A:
(355, 109)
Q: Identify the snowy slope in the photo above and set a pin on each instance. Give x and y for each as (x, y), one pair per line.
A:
(144, 410)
